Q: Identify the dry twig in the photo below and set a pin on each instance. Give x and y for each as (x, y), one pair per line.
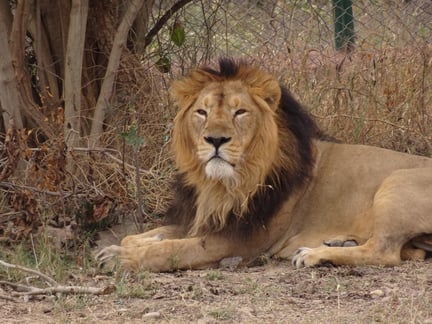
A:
(49, 280)
(21, 290)
(9, 298)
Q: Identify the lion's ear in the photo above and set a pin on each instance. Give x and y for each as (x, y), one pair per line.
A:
(268, 91)
(262, 85)
(272, 94)
(185, 91)
(182, 95)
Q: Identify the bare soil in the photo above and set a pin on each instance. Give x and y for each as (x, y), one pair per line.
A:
(271, 293)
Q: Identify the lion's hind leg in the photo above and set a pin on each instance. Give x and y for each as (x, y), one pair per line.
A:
(401, 211)
(372, 252)
(418, 248)
(344, 241)
(411, 253)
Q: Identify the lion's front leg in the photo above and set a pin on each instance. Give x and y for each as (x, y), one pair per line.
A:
(168, 255)
(158, 234)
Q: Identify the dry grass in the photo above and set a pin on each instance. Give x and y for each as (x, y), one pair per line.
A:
(380, 98)
(275, 293)
(377, 97)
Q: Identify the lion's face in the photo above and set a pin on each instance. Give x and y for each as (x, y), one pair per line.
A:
(226, 129)
(222, 123)
(226, 140)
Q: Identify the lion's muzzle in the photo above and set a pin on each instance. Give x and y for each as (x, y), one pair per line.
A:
(217, 141)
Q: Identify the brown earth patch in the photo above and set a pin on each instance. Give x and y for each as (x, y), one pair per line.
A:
(273, 293)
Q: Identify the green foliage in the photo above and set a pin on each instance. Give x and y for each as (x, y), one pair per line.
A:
(144, 287)
(178, 35)
(131, 137)
(178, 38)
(214, 275)
(163, 64)
(222, 314)
(174, 261)
(40, 254)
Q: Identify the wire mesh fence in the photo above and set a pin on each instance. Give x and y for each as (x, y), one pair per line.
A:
(255, 28)
(372, 87)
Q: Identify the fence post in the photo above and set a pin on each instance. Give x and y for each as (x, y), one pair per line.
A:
(344, 25)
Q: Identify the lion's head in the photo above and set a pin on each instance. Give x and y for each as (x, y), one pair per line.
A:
(238, 138)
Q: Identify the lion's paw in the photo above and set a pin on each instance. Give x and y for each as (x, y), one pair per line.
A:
(298, 259)
(107, 254)
(307, 257)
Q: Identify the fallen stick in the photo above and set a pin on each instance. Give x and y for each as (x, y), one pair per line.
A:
(9, 298)
(21, 290)
(75, 290)
(50, 280)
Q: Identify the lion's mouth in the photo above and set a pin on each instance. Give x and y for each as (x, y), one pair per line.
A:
(218, 157)
(219, 168)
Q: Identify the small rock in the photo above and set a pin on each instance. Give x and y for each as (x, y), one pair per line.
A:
(377, 293)
(231, 262)
(151, 315)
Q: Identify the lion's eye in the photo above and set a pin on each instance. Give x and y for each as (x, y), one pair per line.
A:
(201, 112)
(240, 112)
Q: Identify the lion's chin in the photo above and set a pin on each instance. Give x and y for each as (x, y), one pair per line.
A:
(219, 169)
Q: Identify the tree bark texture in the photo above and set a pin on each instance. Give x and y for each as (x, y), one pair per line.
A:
(119, 44)
(72, 57)
(23, 13)
(9, 94)
(73, 68)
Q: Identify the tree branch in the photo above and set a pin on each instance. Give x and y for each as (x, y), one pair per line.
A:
(22, 15)
(111, 71)
(9, 95)
(9, 298)
(59, 289)
(73, 70)
(49, 280)
(163, 20)
(21, 290)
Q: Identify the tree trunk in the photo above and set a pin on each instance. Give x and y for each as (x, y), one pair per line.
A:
(9, 93)
(43, 45)
(73, 69)
(119, 44)
(26, 105)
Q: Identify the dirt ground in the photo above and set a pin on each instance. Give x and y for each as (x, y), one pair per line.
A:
(272, 293)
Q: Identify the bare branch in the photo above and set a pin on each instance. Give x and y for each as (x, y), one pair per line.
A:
(74, 290)
(27, 104)
(73, 69)
(48, 279)
(162, 21)
(11, 186)
(27, 290)
(9, 298)
(9, 95)
(119, 44)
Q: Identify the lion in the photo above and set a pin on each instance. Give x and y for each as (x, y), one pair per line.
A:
(257, 177)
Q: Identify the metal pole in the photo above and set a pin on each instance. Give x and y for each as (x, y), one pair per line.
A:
(344, 25)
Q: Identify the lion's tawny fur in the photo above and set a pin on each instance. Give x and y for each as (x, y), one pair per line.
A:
(255, 176)
(217, 200)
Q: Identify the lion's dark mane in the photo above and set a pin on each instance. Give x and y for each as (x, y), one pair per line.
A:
(280, 183)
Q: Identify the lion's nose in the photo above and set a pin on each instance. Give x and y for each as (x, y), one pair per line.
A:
(217, 141)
